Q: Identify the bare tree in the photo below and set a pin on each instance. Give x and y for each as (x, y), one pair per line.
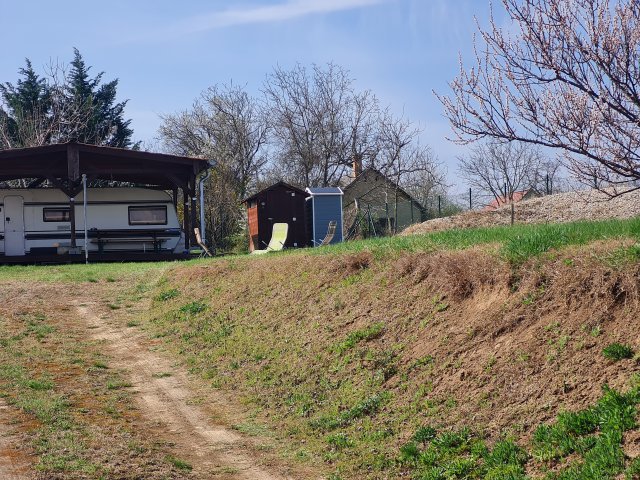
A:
(319, 122)
(550, 178)
(501, 169)
(564, 74)
(226, 126)
(426, 186)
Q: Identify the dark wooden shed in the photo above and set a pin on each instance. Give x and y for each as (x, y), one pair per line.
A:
(279, 203)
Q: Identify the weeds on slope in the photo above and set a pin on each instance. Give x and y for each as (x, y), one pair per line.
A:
(582, 445)
(516, 243)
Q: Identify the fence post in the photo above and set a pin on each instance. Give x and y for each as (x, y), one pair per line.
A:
(439, 207)
(470, 205)
(547, 184)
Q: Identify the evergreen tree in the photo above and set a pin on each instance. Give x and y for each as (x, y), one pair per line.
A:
(59, 108)
(27, 110)
(104, 122)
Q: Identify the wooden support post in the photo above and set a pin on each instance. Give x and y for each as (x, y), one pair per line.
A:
(185, 218)
(73, 162)
(193, 211)
(73, 175)
(72, 220)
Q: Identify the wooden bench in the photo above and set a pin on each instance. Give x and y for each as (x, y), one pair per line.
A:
(102, 238)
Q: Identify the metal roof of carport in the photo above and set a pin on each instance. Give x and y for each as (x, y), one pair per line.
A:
(66, 163)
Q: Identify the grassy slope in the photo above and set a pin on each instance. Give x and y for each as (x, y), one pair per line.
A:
(350, 353)
(415, 355)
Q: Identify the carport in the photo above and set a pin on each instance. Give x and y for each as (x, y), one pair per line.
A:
(63, 165)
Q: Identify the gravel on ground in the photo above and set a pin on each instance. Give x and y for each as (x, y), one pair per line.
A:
(558, 208)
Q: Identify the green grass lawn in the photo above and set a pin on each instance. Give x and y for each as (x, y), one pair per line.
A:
(515, 244)
(346, 414)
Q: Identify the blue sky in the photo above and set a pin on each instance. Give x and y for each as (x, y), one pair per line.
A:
(165, 52)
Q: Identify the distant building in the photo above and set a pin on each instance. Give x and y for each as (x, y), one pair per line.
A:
(517, 197)
(374, 204)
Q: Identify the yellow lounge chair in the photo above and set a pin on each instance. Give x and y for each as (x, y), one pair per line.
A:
(278, 239)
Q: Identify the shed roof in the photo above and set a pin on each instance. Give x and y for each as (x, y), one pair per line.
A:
(324, 191)
(66, 162)
(271, 187)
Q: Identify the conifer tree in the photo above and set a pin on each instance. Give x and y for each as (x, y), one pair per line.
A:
(62, 106)
(104, 118)
(27, 110)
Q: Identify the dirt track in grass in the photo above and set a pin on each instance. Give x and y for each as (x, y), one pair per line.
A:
(168, 427)
(165, 398)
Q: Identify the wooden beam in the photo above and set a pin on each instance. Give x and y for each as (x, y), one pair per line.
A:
(60, 186)
(70, 189)
(72, 221)
(185, 218)
(73, 162)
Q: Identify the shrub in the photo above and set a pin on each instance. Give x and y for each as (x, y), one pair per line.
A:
(617, 351)
(167, 295)
(193, 308)
(425, 434)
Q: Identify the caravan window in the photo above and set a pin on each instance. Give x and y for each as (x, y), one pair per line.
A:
(55, 214)
(153, 215)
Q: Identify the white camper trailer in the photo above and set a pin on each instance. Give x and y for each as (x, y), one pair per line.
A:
(38, 220)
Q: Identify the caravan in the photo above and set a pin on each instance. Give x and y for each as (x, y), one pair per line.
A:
(38, 221)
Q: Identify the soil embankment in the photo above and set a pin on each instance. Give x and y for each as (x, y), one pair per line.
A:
(354, 354)
(559, 208)
(294, 364)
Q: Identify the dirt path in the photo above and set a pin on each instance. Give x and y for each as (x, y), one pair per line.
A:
(166, 401)
(13, 464)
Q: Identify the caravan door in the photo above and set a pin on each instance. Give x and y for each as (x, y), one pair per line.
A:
(13, 225)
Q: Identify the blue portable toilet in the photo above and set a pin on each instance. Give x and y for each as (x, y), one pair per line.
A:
(324, 204)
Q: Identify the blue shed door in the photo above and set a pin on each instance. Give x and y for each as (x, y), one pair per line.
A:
(327, 208)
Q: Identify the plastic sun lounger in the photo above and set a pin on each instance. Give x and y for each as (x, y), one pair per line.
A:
(331, 231)
(278, 239)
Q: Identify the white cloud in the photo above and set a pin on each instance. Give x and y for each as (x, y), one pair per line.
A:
(279, 12)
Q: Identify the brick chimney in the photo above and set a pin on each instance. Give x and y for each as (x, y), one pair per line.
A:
(357, 164)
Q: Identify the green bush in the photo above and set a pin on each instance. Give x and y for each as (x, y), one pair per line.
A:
(193, 308)
(617, 351)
